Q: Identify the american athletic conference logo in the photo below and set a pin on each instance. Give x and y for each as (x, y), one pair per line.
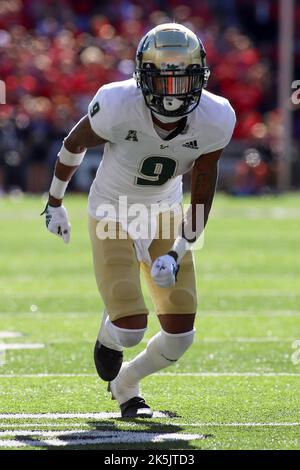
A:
(132, 136)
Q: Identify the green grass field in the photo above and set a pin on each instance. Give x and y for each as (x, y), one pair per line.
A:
(238, 387)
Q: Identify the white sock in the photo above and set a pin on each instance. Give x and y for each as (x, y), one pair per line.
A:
(124, 337)
(117, 338)
(105, 338)
(163, 350)
(121, 390)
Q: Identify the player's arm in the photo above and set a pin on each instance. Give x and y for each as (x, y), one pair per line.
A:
(203, 186)
(70, 156)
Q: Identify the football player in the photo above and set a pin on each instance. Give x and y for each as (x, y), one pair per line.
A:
(155, 127)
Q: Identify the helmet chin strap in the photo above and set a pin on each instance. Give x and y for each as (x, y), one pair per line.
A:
(166, 119)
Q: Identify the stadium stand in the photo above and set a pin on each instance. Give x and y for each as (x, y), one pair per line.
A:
(55, 54)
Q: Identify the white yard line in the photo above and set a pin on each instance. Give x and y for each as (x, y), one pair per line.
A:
(164, 374)
(33, 426)
(101, 415)
(42, 375)
(254, 293)
(70, 433)
(268, 339)
(272, 213)
(112, 415)
(11, 346)
(247, 313)
(230, 374)
(237, 425)
(9, 334)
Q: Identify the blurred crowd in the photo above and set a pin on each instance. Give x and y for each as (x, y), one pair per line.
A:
(55, 54)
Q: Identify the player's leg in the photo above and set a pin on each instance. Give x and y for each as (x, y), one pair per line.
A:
(177, 327)
(124, 320)
(176, 307)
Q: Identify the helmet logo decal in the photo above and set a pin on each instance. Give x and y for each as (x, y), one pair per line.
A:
(172, 66)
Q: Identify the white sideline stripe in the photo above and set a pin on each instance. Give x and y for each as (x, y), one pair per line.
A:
(9, 334)
(102, 415)
(164, 374)
(11, 346)
(100, 437)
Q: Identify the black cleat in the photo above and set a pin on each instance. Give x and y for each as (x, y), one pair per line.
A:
(136, 407)
(108, 361)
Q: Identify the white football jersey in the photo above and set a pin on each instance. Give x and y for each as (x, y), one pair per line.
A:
(137, 162)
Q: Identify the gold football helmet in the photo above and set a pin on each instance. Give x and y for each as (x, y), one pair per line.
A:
(171, 69)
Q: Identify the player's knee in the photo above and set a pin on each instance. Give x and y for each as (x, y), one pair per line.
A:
(126, 338)
(125, 290)
(183, 297)
(173, 346)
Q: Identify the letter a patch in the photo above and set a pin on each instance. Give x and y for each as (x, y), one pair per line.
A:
(132, 135)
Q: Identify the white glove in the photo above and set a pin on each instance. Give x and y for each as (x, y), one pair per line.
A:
(164, 271)
(57, 222)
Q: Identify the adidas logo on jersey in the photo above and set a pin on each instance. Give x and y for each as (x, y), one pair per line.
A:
(193, 145)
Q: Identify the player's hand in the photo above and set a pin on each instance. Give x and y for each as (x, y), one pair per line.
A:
(56, 219)
(164, 271)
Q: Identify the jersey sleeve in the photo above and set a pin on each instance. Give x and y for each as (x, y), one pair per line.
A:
(225, 128)
(100, 115)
